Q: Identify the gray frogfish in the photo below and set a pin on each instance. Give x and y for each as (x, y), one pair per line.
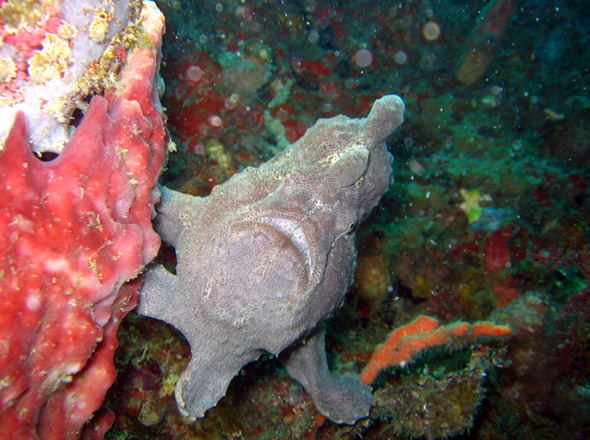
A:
(267, 257)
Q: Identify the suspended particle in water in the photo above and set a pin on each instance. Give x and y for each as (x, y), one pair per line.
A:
(363, 58)
(214, 121)
(232, 101)
(431, 31)
(400, 57)
(194, 73)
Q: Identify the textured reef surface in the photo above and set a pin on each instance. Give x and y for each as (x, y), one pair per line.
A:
(487, 218)
(469, 309)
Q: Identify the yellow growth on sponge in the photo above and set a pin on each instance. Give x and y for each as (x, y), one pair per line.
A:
(7, 69)
(17, 14)
(51, 61)
(99, 28)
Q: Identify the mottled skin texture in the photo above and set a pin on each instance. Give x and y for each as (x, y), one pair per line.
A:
(267, 257)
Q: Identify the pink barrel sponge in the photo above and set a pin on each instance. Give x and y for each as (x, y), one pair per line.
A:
(73, 233)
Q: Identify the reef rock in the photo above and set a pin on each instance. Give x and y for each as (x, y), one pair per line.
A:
(267, 257)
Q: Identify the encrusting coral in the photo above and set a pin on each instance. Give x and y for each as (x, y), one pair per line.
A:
(402, 346)
(424, 332)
